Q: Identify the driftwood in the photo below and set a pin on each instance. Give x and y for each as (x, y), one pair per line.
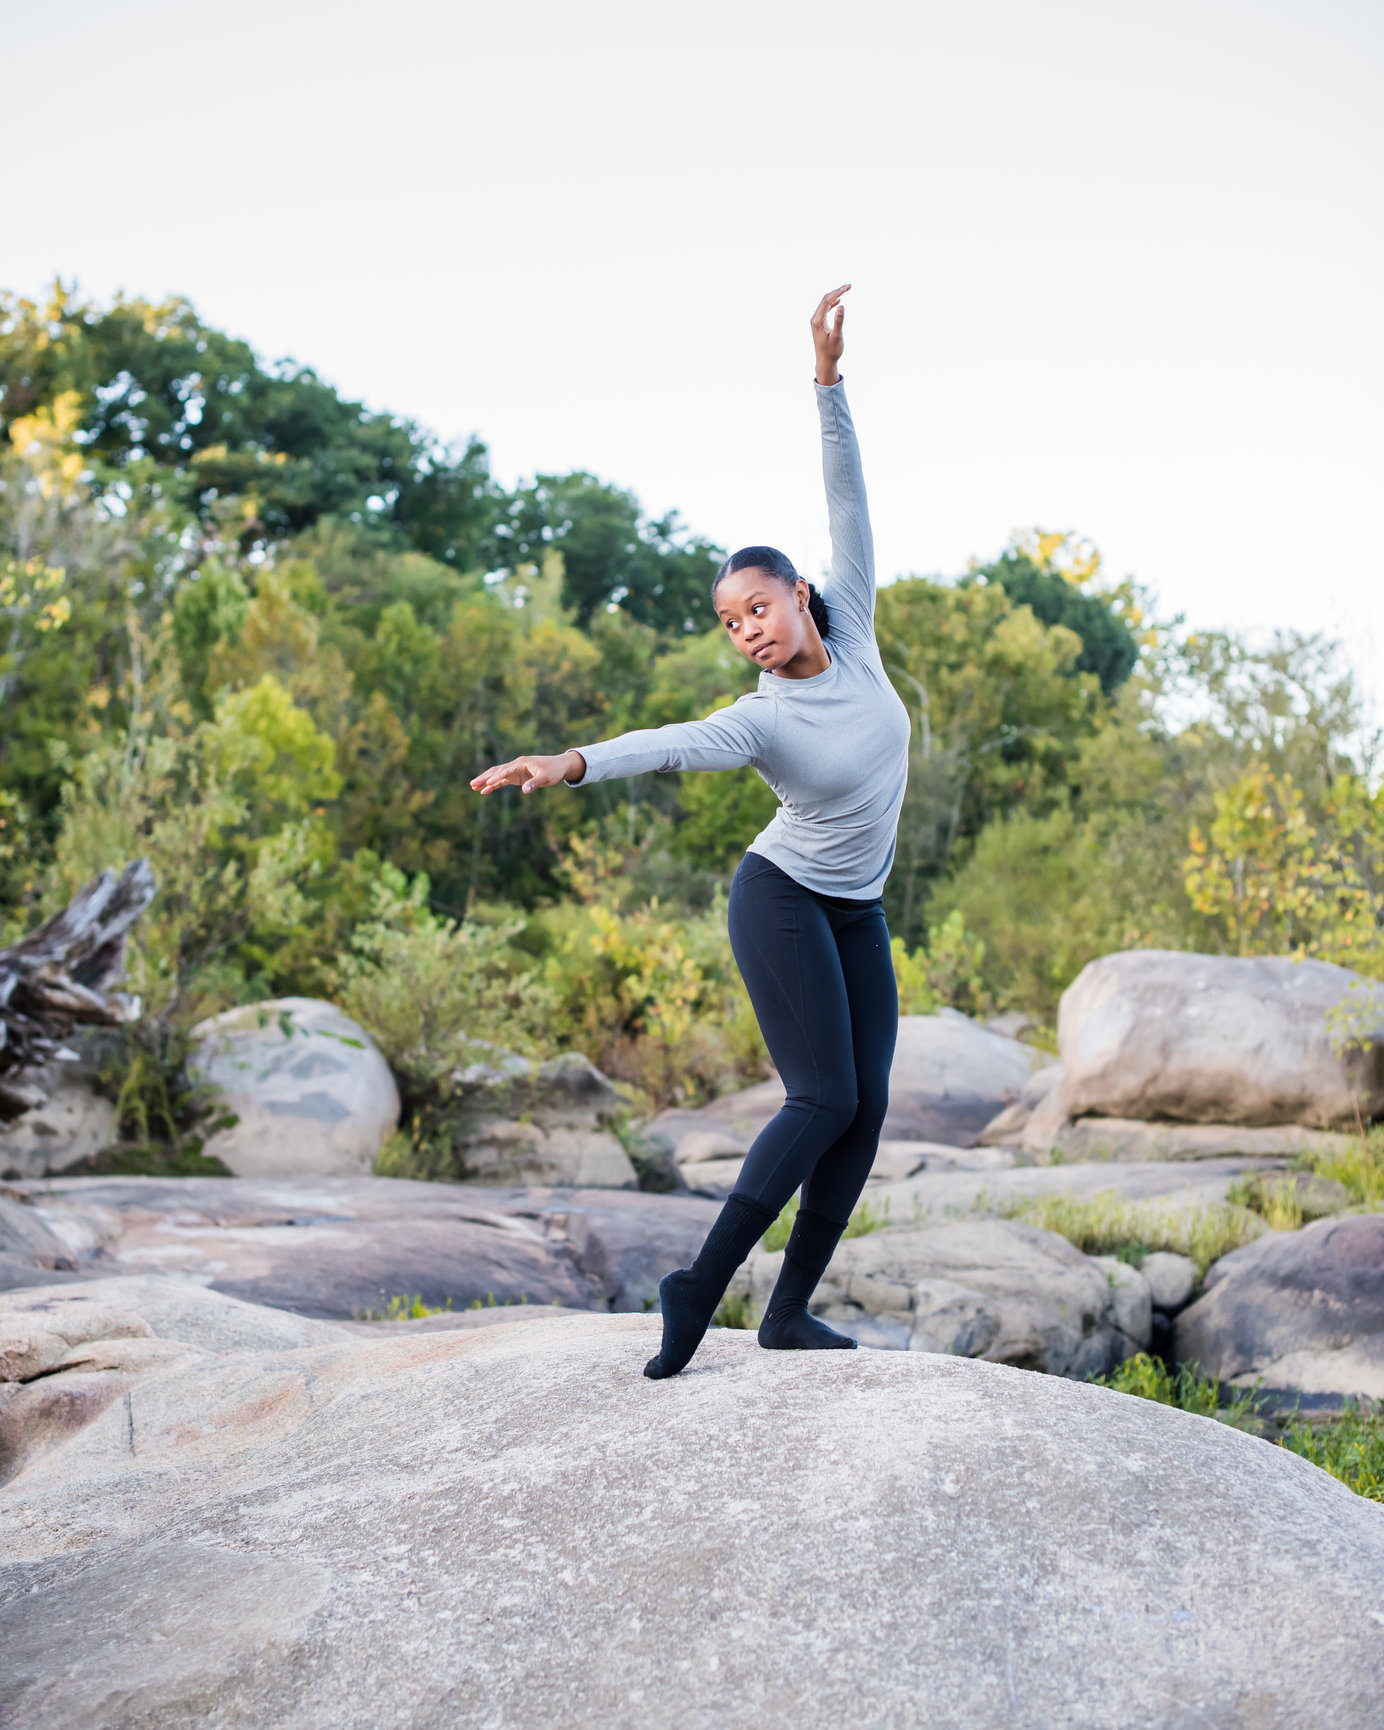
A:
(61, 975)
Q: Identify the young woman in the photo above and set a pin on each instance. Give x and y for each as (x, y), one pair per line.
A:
(828, 734)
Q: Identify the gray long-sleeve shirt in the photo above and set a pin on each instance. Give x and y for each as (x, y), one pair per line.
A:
(834, 747)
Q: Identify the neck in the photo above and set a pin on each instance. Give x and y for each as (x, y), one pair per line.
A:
(810, 660)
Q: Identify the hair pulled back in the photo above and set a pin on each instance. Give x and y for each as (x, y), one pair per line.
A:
(778, 565)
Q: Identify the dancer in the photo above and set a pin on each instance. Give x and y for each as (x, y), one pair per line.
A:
(827, 732)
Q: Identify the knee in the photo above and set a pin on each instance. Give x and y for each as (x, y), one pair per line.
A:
(835, 1102)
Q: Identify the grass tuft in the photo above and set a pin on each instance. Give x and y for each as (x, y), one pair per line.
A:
(1105, 1225)
(1350, 1445)
(1360, 1168)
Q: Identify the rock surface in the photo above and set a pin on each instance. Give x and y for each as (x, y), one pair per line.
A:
(1123, 1138)
(538, 1123)
(313, 1096)
(985, 1288)
(951, 1076)
(1302, 1310)
(512, 1528)
(1152, 1034)
(337, 1246)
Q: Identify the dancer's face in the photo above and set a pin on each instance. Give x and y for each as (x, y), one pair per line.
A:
(766, 619)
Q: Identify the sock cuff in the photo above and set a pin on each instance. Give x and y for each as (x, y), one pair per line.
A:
(813, 1240)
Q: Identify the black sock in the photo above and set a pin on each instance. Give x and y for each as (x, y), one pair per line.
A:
(689, 1297)
(787, 1326)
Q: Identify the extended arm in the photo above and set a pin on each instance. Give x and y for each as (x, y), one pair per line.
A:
(728, 739)
(850, 594)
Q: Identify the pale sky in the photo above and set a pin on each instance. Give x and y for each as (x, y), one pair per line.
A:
(1119, 267)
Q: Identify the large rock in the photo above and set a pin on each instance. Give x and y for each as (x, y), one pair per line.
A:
(335, 1247)
(1301, 1310)
(988, 1288)
(1152, 1034)
(313, 1095)
(512, 1528)
(951, 1077)
(74, 1122)
(520, 1122)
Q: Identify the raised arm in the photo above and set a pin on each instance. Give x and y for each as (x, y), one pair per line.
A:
(731, 738)
(850, 593)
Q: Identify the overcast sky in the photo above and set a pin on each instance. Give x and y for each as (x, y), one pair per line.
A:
(1119, 267)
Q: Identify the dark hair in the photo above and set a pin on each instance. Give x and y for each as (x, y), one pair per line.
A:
(778, 565)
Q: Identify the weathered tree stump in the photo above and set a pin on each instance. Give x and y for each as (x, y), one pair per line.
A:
(61, 975)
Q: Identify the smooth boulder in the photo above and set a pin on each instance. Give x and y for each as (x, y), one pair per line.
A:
(987, 1288)
(1154, 1034)
(513, 1528)
(312, 1095)
(72, 1123)
(951, 1076)
(520, 1122)
(1300, 1310)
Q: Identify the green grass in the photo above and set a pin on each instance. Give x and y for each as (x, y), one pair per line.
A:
(1360, 1168)
(1186, 1388)
(1103, 1224)
(735, 1311)
(1349, 1446)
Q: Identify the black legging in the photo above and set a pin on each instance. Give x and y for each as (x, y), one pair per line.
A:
(821, 979)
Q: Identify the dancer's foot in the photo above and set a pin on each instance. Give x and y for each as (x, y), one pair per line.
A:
(685, 1321)
(800, 1331)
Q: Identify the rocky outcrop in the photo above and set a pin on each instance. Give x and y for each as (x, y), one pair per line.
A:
(311, 1093)
(950, 1077)
(1213, 1039)
(335, 1247)
(511, 1527)
(519, 1122)
(1301, 1310)
(981, 1288)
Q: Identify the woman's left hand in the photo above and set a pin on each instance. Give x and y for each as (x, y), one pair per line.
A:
(829, 334)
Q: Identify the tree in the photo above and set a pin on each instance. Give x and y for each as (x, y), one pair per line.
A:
(156, 387)
(613, 557)
(1048, 574)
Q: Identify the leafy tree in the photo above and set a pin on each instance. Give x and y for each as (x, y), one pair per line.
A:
(1048, 574)
(654, 570)
(156, 385)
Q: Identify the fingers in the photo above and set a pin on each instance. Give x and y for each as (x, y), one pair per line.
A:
(528, 774)
(826, 304)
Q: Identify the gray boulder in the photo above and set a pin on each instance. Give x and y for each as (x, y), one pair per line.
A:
(511, 1527)
(73, 1122)
(1171, 1279)
(951, 1076)
(1152, 1034)
(1302, 1310)
(313, 1095)
(990, 1288)
(518, 1122)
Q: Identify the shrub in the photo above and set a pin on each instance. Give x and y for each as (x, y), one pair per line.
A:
(1350, 1447)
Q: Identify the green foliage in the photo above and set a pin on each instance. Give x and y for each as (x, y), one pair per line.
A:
(437, 994)
(1350, 1447)
(1360, 1168)
(656, 571)
(1048, 574)
(1186, 1388)
(1105, 1225)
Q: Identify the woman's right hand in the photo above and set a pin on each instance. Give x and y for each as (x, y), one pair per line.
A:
(528, 774)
